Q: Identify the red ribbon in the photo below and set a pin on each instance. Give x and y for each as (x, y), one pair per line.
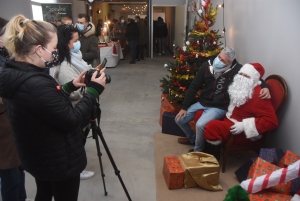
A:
(266, 181)
(251, 185)
(283, 175)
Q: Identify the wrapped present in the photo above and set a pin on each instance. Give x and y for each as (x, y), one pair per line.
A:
(164, 109)
(173, 172)
(165, 102)
(269, 196)
(271, 155)
(262, 167)
(169, 125)
(288, 158)
(295, 186)
(242, 173)
(201, 169)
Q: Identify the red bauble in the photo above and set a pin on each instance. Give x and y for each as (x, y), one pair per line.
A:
(188, 71)
(160, 85)
(171, 102)
(174, 56)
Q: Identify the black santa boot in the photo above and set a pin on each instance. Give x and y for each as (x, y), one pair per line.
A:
(212, 149)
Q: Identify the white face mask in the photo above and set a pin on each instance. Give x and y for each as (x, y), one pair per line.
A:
(122, 21)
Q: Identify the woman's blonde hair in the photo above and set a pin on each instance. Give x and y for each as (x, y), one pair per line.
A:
(21, 34)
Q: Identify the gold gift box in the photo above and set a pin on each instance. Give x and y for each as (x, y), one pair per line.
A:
(201, 169)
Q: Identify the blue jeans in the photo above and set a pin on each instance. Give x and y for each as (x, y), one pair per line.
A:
(132, 49)
(209, 114)
(13, 184)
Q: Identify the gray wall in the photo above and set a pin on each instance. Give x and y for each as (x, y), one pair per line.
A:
(267, 32)
(10, 8)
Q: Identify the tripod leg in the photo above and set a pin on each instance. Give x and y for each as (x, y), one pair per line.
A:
(117, 172)
(99, 157)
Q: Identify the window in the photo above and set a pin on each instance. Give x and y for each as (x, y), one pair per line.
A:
(37, 12)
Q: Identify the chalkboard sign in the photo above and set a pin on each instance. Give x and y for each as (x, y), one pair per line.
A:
(60, 9)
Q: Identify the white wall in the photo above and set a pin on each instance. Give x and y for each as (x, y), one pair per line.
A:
(268, 32)
(10, 8)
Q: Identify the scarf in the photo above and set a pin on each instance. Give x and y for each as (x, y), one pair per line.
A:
(219, 71)
(78, 62)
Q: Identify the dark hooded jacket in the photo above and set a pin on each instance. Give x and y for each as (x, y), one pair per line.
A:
(89, 44)
(46, 128)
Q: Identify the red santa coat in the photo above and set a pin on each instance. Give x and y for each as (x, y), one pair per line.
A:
(258, 116)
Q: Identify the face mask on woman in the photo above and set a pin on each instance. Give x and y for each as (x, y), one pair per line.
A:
(77, 46)
(122, 21)
(54, 61)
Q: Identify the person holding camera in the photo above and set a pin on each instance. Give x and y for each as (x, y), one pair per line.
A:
(70, 66)
(46, 127)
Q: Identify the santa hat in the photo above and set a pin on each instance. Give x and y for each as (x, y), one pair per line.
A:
(255, 70)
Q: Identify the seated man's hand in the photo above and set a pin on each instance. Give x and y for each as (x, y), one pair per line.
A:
(265, 93)
(237, 128)
(180, 114)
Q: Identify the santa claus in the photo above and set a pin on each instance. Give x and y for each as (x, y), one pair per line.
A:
(248, 115)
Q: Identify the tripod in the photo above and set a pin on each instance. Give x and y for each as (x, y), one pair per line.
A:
(96, 130)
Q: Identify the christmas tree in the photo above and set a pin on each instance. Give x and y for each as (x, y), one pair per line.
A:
(202, 44)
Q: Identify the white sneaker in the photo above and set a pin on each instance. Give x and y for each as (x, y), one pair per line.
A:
(28, 199)
(86, 174)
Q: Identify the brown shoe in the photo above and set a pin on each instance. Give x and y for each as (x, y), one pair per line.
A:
(185, 140)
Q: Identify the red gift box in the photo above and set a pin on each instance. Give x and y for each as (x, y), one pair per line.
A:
(268, 196)
(262, 167)
(164, 109)
(288, 158)
(173, 172)
(165, 102)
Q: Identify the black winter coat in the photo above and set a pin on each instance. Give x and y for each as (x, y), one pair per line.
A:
(132, 32)
(214, 93)
(162, 30)
(47, 129)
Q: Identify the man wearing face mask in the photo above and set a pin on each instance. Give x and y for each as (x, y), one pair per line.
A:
(88, 39)
(213, 79)
(120, 29)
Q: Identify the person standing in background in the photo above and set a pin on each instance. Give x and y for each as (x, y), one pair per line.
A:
(99, 28)
(132, 34)
(162, 33)
(52, 18)
(66, 20)
(89, 42)
(120, 30)
(142, 38)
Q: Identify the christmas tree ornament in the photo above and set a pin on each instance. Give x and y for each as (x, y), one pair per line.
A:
(197, 55)
(160, 85)
(166, 65)
(198, 42)
(214, 42)
(200, 11)
(174, 56)
(184, 48)
(187, 43)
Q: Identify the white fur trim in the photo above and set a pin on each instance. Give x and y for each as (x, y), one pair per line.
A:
(296, 198)
(214, 142)
(250, 127)
(249, 70)
(229, 112)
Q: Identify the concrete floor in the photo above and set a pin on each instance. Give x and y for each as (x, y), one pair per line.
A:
(130, 113)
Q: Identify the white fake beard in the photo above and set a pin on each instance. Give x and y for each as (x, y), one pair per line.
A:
(241, 90)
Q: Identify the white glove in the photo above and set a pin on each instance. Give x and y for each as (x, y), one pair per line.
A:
(237, 128)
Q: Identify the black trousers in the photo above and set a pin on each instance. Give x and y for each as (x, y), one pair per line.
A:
(66, 190)
(140, 52)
